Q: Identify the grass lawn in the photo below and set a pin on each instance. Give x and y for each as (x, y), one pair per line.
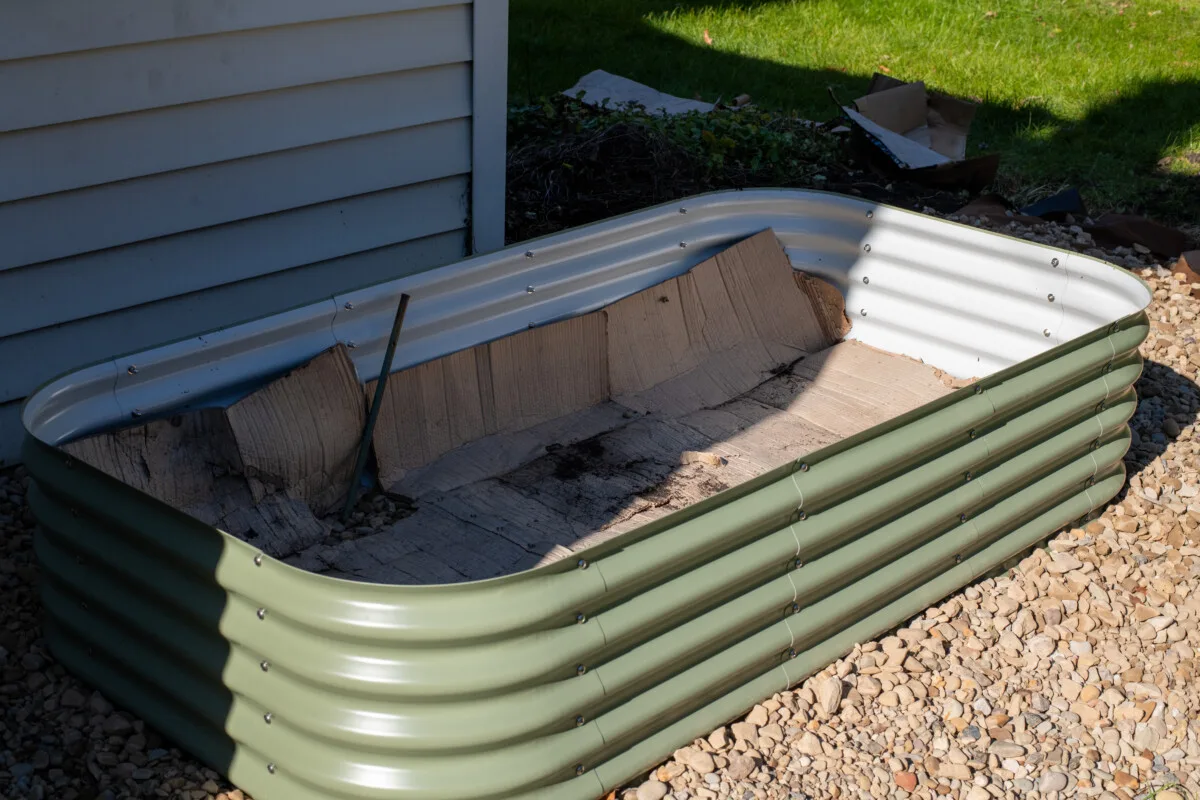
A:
(1103, 95)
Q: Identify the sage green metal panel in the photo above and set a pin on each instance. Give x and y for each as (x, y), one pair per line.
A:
(562, 682)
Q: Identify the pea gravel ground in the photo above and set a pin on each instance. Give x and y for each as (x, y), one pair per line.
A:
(1071, 675)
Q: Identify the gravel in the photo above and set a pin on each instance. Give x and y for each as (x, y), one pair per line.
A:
(1070, 675)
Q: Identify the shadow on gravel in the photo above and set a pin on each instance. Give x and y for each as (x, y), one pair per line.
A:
(1167, 403)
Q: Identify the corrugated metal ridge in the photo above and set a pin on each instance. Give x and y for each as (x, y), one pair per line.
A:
(1042, 431)
(487, 297)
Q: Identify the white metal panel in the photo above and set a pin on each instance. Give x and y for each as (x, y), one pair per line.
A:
(62, 26)
(573, 272)
(122, 79)
(33, 297)
(99, 217)
(490, 124)
(31, 359)
(39, 161)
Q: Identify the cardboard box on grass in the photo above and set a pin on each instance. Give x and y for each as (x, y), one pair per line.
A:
(922, 135)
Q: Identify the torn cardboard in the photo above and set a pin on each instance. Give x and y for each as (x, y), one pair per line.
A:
(604, 90)
(923, 135)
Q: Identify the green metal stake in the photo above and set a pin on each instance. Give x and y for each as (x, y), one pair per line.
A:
(364, 446)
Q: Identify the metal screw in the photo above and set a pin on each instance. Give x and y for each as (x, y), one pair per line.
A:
(137, 412)
(1046, 333)
(529, 290)
(271, 768)
(973, 433)
(1114, 328)
(683, 244)
(798, 563)
(579, 720)
(795, 608)
(962, 517)
(262, 613)
(803, 515)
(1091, 481)
(349, 306)
(1054, 262)
(529, 254)
(1100, 406)
(1050, 297)
(133, 370)
(1107, 369)
(978, 389)
(870, 215)
(351, 345)
(866, 248)
(792, 653)
(866, 280)
(968, 475)
(958, 559)
(1096, 445)
(265, 666)
(580, 669)
(863, 312)
(803, 466)
(580, 618)
(258, 560)
(683, 211)
(579, 770)
(267, 717)
(582, 563)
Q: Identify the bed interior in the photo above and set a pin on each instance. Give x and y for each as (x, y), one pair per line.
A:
(527, 449)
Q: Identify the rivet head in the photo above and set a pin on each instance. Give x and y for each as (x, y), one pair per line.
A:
(1050, 297)
(580, 669)
(1096, 445)
(1107, 369)
(803, 515)
(1091, 481)
(863, 312)
(258, 560)
(978, 389)
(870, 215)
(866, 279)
(271, 768)
(137, 412)
(803, 466)
(967, 476)
(866, 248)
(582, 563)
(974, 433)
(683, 244)
(1054, 262)
(529, 254)
(133, 370)
(348, 306)
(1114, 327)
(1100, 406)
(579, 770)
(579, 720)
(795, 608)
(351, 345)
(792, 653)
(580, 618)
(1046, 333)
(958, 559)
(264, 665)
(529, 290)
(798, 563)
(962, 517)
(262, 613)
(267, 717)
(683, 211)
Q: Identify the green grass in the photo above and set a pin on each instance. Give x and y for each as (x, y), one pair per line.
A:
(1103, 95)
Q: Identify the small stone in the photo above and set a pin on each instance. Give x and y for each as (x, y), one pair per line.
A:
(829, 696)
(978, 793)
(740, 767)
(652, 790)
(889, 700)
(758, 716)
(700, 761)
(906, 781)
(1124, 780)
(72, 698)
(744, 732)
(1041, 645)
(1052, 782)
(1002, 749)
(810, 744)
(718, 739)
(868, 686)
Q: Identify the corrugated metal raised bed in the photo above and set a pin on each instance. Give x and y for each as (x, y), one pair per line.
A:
(565, 680)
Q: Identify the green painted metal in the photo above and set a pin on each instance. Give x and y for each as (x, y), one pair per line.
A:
(563, 682)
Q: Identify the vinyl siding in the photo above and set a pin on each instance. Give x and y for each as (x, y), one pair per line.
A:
(171, 168)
